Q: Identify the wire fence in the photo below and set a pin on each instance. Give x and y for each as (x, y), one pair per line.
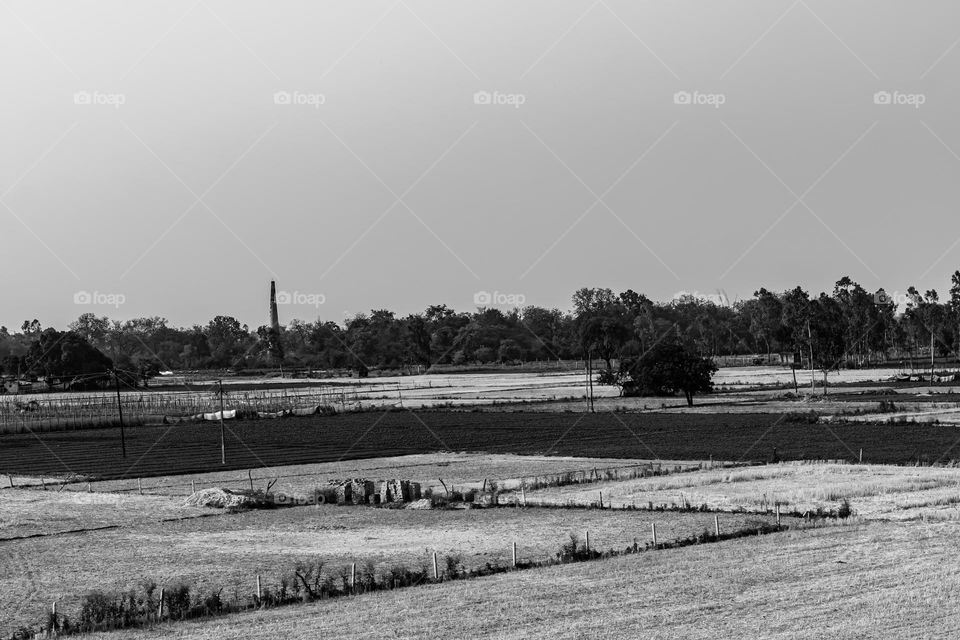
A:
(33, 412)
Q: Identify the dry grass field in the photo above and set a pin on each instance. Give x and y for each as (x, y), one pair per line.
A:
(230, 550)
(32, 512)
(861, 581)
(457, 470)
(874, 491)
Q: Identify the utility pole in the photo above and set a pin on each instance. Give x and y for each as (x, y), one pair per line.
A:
(123, 439)
(931, 356)
(223, 446)
(590, 376)
(813, 380)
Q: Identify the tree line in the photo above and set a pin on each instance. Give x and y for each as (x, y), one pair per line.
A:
(847, 327)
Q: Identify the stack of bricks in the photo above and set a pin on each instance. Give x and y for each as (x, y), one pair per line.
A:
(361, 489)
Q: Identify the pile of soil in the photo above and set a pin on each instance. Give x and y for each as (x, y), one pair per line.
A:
(223, 499)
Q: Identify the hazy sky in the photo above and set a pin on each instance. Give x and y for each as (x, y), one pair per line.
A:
(145, 158)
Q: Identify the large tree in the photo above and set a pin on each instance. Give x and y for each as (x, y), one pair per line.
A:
(665, 370)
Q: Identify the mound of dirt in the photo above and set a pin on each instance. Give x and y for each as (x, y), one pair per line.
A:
(222, 499)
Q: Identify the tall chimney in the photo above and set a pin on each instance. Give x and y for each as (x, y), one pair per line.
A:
(274, 316)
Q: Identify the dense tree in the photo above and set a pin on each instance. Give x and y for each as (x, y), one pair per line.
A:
(665, 370)
(68, 360)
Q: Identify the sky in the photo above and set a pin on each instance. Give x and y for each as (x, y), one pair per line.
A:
(170, 159)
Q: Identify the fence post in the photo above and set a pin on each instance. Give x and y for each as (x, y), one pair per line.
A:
(10, 479)
(250, 477)
(653, 530)
(716, 521)
(514, 555)
(140, 486)
(193, 486)
(160, 608)
(601, 499)
(436, 569)
(778, 514)
(523, 494)
(259, 590)
(353, 577)
(861, 455)
(588, 540)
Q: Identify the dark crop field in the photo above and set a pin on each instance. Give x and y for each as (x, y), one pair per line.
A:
(193, 448)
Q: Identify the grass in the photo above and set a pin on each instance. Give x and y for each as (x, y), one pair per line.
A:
(459, 470)
(875, 491)
(228, 551)
(876, 580)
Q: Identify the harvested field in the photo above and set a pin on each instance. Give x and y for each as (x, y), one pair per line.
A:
(863, 581)
(155, 451)
(26, 512)
(457, 470)
(874, 491)
(230, 550)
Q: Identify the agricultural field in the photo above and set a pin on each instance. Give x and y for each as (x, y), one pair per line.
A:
(75, 516)
(432, 470)
(873, 491)
(859, 581)
(192, 448)
(228, 550)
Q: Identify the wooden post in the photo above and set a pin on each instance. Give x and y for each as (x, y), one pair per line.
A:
(861, 455)
(436, 569)
(259, 590)
(43, 483)
(89, 488)
(140, 486)
(123, 439)
(514, 555)
(53, 610)
(523, 494)
(601, 499)
(160, 608)
(653, 531)
(716, 522)
(778, 514)
(250, 477)
(588, 540)
(223, 445)
(353, 577)
(193, 486)
(10, 480)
